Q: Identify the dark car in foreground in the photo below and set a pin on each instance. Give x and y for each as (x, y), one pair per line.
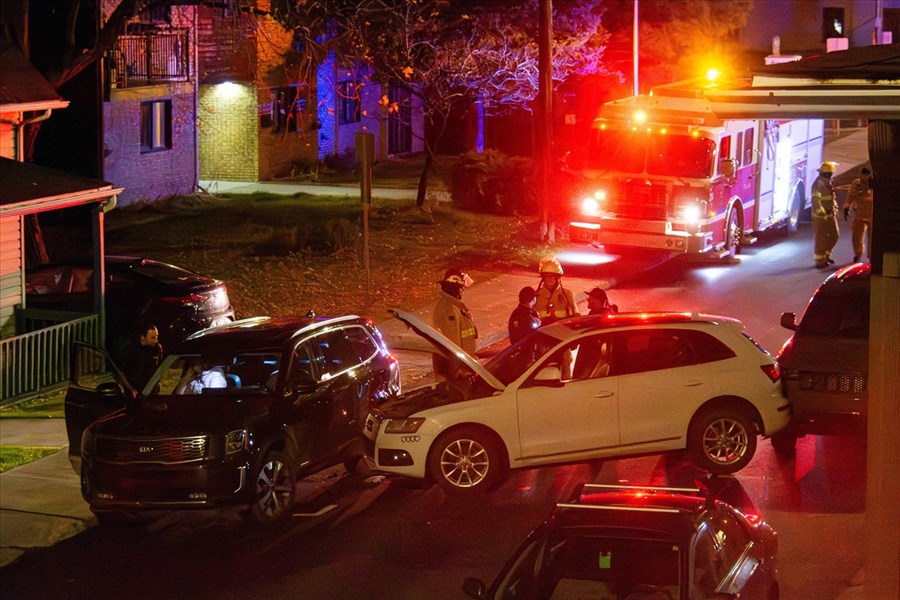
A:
(825, 363)
(176, 300)
(641, 543)
(235, 417)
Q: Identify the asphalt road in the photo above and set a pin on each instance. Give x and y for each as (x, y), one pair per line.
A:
(354, 537)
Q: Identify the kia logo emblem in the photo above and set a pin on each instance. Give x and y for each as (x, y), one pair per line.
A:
(408, 439)
(145, 449)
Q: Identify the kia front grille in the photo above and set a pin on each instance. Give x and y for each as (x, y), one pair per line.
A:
(152, 450)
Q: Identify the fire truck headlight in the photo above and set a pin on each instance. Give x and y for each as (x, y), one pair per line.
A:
(590, 207)
(691, 213)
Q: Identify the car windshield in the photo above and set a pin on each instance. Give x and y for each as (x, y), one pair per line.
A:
(585, 566)
(189, 374)
(512, 362)
(656, 154)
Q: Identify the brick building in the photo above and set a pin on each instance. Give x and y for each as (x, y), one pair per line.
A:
(149, 111)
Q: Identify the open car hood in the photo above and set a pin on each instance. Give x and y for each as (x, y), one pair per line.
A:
(447, 348)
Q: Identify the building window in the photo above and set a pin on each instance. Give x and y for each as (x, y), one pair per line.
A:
(833, 23)
(348, 102)
(891, 23)
(288, 106)
(399, 120)
(156, 125)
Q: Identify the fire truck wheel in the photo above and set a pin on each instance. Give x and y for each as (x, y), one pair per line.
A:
(732, 235)
(793, 220)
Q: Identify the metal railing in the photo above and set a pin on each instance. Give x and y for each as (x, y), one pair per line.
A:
(39, 360)
(146, 58)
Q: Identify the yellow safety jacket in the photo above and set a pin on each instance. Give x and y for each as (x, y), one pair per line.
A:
(860, 198)
(452, 318)
(555, 304)
(823, 203)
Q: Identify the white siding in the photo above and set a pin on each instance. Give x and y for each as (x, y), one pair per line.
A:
(10, 273)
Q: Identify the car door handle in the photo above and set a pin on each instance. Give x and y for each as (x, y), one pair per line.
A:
(604, 394)
(692, 383)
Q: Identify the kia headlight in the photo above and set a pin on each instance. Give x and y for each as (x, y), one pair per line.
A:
(235, 441)
(410, 425)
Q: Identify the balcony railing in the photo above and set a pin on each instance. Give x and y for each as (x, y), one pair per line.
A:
(148, 58)
(39, 360)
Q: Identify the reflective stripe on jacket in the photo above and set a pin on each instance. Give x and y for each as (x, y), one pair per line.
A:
(823, 202)
(452, 318)
(555, 304)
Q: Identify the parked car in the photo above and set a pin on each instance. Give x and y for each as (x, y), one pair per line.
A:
(581, 389)
(295, 398)
(641, 543)
(825, 363)
(179, 302)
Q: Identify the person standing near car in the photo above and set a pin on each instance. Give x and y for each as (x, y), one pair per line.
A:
(453, 319)
(824, 217)
(524, 319)
(142, 356)
(860, 200)
(598, 303)
(554, 301)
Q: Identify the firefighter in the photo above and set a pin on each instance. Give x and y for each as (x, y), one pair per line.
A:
(860, 200)
(553, 300)
(452, 318)
(824, 217)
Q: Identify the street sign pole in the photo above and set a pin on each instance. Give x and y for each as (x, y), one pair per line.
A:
(365, 156)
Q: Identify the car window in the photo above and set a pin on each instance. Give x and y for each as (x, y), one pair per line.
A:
(256, 369)
(361, 342)
(645, 350)
(587, 358)
(515, 360)
(333, 354)
(620, 565)
(303, 364)
(709, 562)
(846, 315)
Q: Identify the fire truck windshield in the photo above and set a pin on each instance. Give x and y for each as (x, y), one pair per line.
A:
(653, 154)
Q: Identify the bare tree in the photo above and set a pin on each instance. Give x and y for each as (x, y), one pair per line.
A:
(446, 52)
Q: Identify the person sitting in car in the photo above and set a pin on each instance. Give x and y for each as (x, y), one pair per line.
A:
(201, 376)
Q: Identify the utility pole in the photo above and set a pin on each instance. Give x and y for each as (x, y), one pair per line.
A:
(545, 113)
(634, 50)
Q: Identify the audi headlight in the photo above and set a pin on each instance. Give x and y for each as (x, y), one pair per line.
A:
(403, 425)
(235, 441)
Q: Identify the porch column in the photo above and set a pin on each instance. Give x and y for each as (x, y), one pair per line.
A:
(99, 261)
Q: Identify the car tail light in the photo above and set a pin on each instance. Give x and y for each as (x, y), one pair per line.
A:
(772, 371)
(189, 300)
(754, 518)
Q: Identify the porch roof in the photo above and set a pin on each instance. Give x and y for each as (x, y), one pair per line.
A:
(22, 87)
(29, 188)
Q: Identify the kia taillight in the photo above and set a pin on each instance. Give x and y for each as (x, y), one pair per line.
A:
(772, 371)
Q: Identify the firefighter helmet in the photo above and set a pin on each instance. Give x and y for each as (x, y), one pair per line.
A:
(827, 167)
(455, 276)
(550, 265)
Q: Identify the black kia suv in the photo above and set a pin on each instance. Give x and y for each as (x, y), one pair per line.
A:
(236, 416)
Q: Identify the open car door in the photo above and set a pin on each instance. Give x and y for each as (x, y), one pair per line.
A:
(96, 388)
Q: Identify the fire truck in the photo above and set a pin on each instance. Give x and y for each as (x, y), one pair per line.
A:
(663, 172)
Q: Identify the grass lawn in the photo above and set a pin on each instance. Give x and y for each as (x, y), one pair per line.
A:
(13, 456)
(48, 404)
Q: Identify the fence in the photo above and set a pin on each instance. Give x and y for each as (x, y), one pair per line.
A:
(40, 360)
(141, 59)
